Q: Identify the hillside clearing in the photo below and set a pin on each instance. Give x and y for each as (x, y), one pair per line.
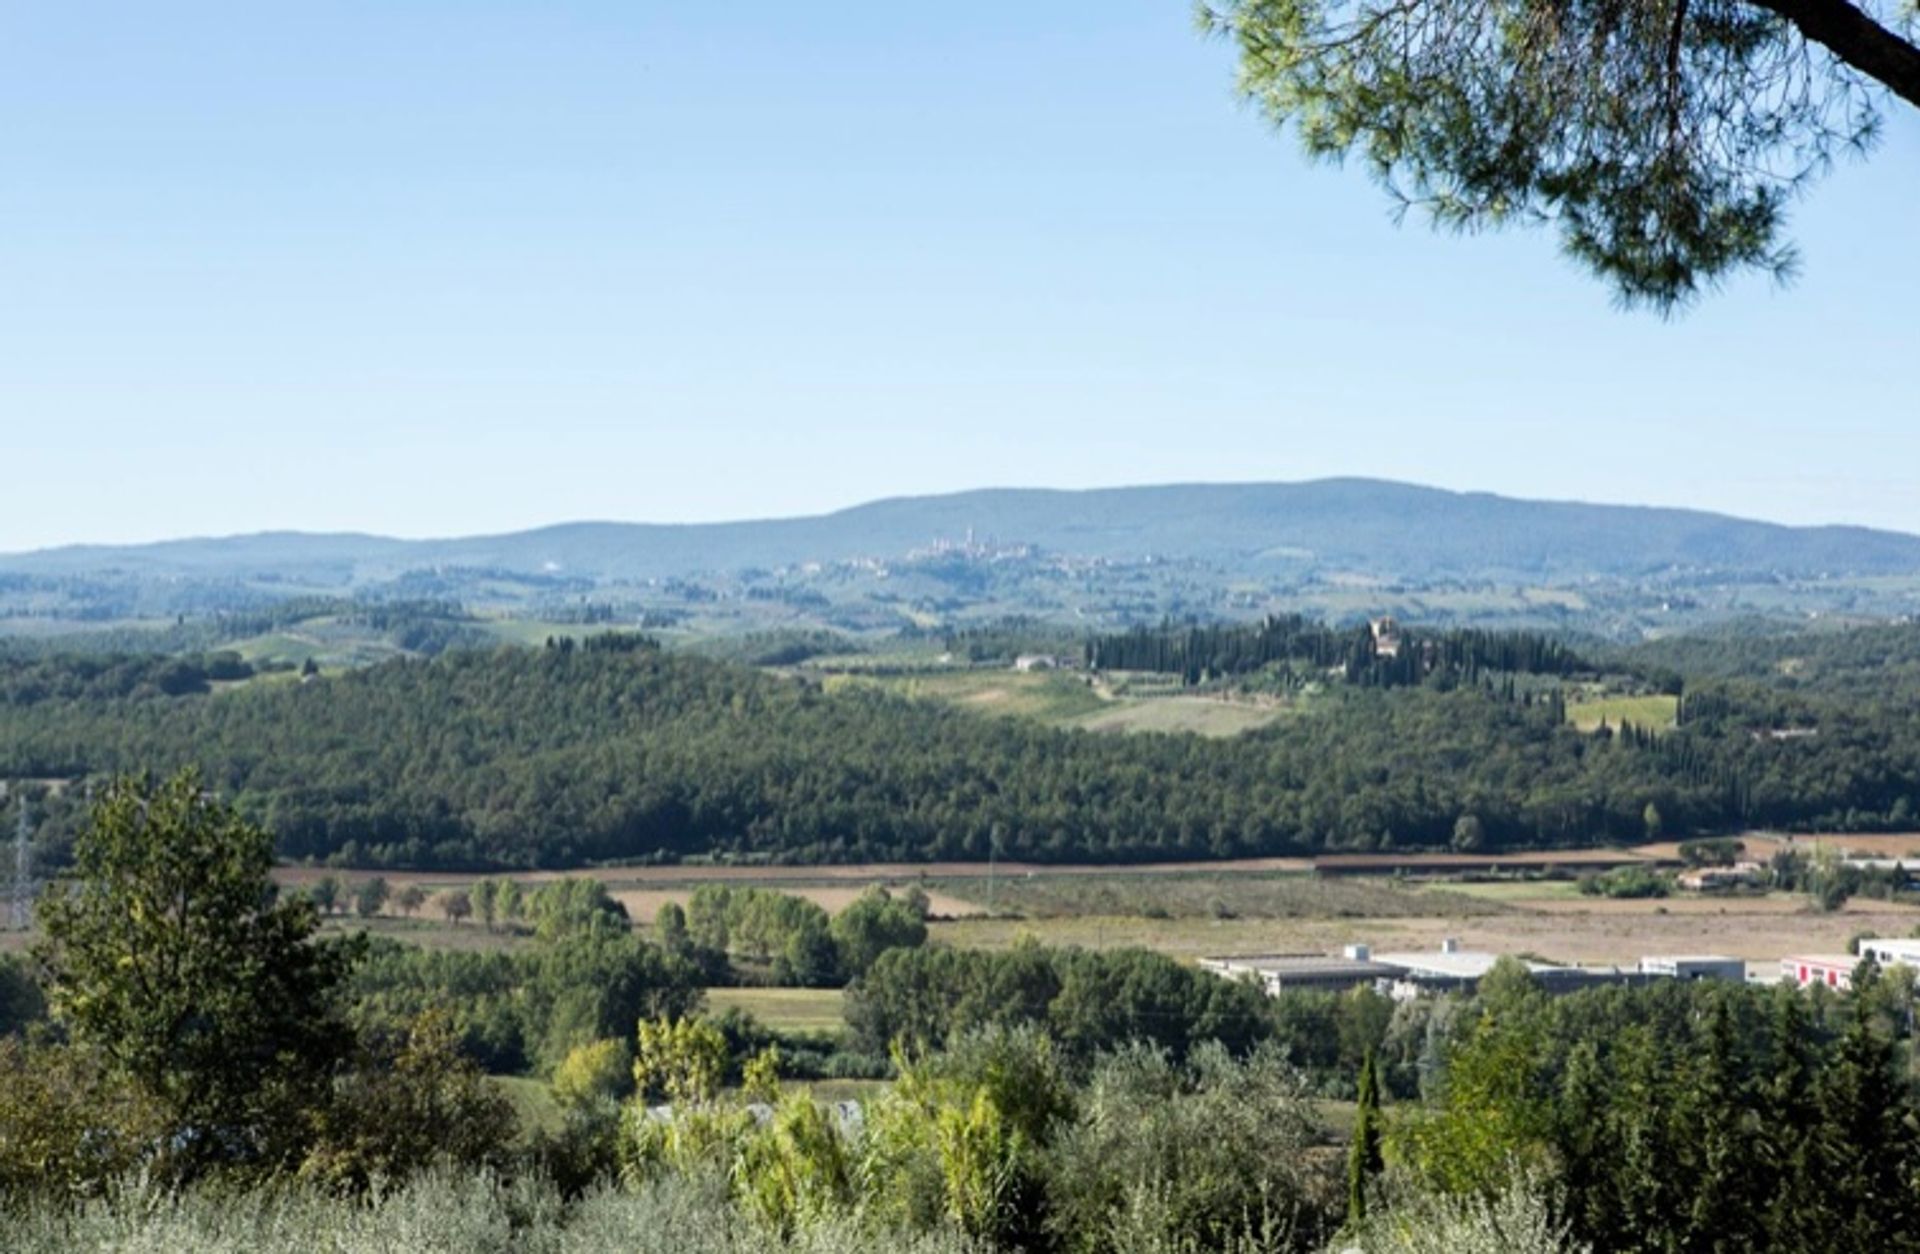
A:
(1201, 716)
(1654, 712)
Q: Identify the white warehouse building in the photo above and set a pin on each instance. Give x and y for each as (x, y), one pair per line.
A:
(1889, 951)
(1695, 967)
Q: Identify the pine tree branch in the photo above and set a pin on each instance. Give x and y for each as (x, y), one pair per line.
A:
(1852, 35)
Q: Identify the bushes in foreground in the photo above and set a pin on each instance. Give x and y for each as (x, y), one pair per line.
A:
(997, 1141)
(1516, 1220)
(450, 1212)
(439, 1212)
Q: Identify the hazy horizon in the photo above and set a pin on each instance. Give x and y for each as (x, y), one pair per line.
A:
(425, 271)
(853, 505)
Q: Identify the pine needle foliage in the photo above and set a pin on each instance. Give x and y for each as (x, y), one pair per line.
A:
(1663, 139)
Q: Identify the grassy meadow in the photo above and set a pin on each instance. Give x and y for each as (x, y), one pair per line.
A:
(1050, 697)
(814, 1011)
(1654, 711)
(1200, 715)
(1070, 699)
(1151, 896)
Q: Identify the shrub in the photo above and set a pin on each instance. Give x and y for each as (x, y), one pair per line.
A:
(1626, 882)
(425, 1104)
(598, 1071)
(67, 1122)
(1516, 1220)
(1208, 1155)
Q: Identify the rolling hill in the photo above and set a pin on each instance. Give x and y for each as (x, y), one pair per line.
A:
(1367, 527)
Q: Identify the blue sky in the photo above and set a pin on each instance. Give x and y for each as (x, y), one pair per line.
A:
(434, 268)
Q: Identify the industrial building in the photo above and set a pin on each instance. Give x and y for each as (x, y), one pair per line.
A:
(1888, 952)
(1409, 974)
(1450, 968)
(1833, 970)
(1277, 972)
(1695, 967)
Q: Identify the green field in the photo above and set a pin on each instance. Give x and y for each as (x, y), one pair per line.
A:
(428, 931)
(1183, 939)
(841, 1090)
(1209, 895)
(533, 1102)
(1654, 711)
(1204, 716)
(1068, 699)
(534, 632)
(894, 656)
(1514, 891)
(282, 647)
(1051, 698)
(817, 1011)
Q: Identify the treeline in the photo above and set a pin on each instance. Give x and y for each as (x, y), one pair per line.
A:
(1085, 1000)
(1680, 1116)
(1007, 639)
(788, 646)
(524, 1009)
(1862, 663)
(109, 676)
(1202, 652)
(789, 940)
(560, 757)
(1686, 1116)
(1091, 1001)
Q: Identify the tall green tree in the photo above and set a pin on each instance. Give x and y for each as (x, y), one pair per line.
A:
(874, 923)
(1363, 1152)
(169, 953)
(1663, 138)
(1869, 1146)
(485, 895)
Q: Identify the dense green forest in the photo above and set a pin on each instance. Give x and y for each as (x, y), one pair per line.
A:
(618, 750)
(1872, 662)
(1310, 651)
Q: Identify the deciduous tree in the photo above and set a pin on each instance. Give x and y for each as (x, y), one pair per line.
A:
(169, 954)
(370, 897)
(410, 899)
(455, 904)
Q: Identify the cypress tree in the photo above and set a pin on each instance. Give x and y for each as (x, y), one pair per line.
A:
(1363, 1155)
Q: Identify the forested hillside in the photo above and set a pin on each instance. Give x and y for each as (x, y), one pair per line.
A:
(1865, 663)
(560, 756)
(1305, 649)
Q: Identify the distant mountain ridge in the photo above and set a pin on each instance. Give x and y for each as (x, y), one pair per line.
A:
(1365, 526)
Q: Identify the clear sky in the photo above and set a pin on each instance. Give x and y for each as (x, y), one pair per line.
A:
(433, 267)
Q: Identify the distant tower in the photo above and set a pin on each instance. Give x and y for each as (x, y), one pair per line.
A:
(23, 867)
